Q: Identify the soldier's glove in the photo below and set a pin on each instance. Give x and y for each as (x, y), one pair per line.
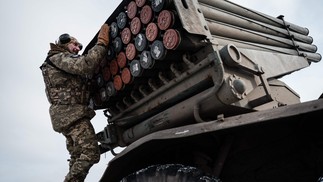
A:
(103, 37)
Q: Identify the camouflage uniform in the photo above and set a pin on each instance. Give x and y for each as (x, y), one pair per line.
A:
(64, 76)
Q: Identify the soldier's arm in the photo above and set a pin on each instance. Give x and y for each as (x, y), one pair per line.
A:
(81, 65)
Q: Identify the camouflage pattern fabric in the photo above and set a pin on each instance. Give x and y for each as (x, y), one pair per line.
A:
(82, 145)
(65, 77)
(65, 86)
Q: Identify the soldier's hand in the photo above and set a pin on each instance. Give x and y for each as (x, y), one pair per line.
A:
(103, 37)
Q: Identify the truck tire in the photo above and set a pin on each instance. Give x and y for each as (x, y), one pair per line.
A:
(169, 173)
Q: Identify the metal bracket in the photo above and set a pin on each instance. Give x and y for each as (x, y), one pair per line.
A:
(233, 57)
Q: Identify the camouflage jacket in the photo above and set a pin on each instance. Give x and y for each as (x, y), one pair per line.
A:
(64, 76)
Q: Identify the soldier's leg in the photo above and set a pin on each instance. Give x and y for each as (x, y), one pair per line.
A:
(74, 153)
(85, 141)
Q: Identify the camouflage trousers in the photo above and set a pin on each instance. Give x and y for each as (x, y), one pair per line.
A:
(82, 145)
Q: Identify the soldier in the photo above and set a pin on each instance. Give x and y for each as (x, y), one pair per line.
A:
(65, 75)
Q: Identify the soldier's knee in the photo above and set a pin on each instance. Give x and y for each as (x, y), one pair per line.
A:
(95, 158)
(91, 158)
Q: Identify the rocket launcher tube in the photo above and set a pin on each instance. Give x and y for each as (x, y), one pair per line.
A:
(220, 29)
(243, 22)
(252, 14)
(222, 41)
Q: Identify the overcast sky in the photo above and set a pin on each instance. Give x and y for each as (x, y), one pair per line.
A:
(30, 150)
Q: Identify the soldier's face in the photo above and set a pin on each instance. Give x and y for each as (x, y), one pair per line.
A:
(74, 47)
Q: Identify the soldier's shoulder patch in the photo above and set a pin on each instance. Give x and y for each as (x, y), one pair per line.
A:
(75, 55)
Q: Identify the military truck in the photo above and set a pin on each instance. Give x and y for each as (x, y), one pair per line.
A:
(191, 90)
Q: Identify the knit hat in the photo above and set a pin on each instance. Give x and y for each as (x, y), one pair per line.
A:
(65, 39)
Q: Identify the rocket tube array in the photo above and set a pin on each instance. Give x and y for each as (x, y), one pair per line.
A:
(138, 48)
(230, 22)
(148, 39)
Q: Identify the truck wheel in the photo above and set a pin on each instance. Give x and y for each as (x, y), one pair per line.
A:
(169, 173)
